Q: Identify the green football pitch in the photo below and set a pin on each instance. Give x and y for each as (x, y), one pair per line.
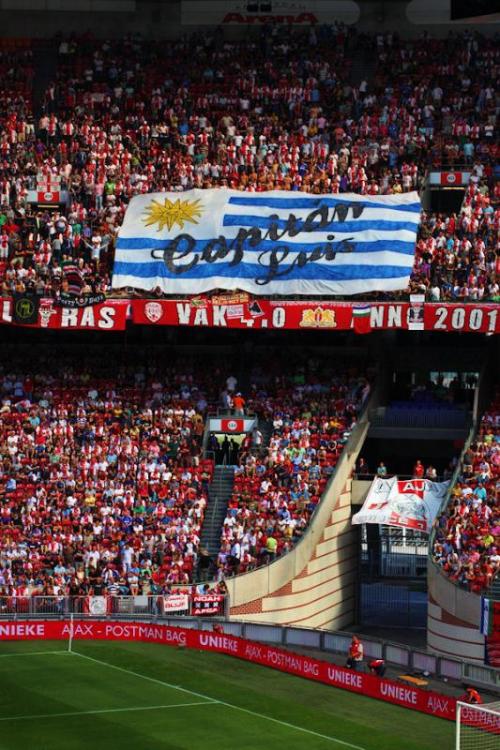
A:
(134, 696)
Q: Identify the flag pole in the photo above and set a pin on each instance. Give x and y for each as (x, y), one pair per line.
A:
(70, 639)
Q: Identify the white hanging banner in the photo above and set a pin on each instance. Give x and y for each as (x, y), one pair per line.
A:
(274, 242)
(97, 605)
(176, 603)
(407, 503)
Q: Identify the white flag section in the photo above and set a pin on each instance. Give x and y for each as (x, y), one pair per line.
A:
(408, 503)
(175, 603)
(275, 242)
(97, 605)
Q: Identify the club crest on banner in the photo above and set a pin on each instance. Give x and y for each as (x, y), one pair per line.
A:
(25, 308)
(153, 311)
(46, 312)
(232, 425)
(97, 605)
(318, 318)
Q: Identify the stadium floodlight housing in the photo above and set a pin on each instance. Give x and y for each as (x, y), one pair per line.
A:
(478, 727)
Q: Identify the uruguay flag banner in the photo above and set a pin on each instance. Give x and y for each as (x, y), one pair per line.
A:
(267, 243)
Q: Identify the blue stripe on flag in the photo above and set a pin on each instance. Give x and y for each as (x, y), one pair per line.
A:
(394, 246)
(315, 202)
(264, 222)
(254, 271)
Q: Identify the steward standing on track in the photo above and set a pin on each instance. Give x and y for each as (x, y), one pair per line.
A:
(355, 656)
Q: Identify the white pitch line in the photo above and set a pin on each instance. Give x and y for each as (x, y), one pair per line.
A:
(293, 726)
(144, 677)
(221, 703)
(32, 653)
(103, 711)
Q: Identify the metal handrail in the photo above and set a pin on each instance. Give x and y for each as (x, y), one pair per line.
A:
(373, 475)
(110, 605)
(132, 294)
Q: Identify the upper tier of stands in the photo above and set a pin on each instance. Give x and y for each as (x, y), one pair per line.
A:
(132, 116)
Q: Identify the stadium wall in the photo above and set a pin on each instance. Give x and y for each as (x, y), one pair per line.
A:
(314, 585)
(453, 619)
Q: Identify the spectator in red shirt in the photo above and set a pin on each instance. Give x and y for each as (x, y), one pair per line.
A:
(418, 470)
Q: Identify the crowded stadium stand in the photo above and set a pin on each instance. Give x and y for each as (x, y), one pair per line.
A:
(130, 116)
(103, 486)
(465, 544)
(275, 494)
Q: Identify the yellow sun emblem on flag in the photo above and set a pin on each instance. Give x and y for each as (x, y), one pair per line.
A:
(170, 212)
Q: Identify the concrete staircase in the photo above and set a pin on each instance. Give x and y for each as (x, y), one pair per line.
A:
(315, 584)
(219, 493)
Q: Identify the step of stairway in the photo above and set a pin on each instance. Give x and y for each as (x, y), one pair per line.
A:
(219, 494)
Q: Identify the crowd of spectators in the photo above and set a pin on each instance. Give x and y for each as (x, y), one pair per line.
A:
(310, 416)
(363, 471)
(457, 256)
(103, 486)
(467, 537)
(132, 116)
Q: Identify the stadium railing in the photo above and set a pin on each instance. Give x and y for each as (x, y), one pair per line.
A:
(156, 605)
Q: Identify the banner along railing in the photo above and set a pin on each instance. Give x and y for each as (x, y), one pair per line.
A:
(334, 642)
(208, 602)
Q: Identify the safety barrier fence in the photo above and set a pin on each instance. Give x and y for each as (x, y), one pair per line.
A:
(124, 609)
(200, 603)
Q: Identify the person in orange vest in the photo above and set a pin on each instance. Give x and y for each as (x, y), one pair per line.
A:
(471, 696)
(239, 405)
(355, 656)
